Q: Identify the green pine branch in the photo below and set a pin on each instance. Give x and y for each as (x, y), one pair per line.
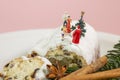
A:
(113, 59)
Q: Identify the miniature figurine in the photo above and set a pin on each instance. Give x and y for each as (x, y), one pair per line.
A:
(65, 21)
(76, 35)
(65, 16)
(64, 30)
(68, 24)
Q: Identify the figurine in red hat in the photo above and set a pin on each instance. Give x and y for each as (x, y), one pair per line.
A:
(76, 35)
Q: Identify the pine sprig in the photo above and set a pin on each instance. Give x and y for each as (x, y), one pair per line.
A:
(80, 23)
(113, 59)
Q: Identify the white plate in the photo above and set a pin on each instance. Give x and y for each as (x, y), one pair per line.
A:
(16, 44)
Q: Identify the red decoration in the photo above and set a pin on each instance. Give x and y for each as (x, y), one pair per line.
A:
(77, 35)
(68, 24)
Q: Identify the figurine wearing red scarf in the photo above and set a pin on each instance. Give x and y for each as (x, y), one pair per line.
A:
(68, 24)
(76, 35)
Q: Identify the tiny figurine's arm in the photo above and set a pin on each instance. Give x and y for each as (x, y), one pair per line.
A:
(70, 20)
(65, 23)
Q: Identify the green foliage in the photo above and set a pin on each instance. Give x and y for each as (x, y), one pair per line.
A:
(73, 28)
(81, 23)
(72, 69)
(113, 59)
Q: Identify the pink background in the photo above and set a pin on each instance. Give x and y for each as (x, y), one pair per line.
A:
(103, 15)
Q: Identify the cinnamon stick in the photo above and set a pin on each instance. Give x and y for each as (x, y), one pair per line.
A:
(94, 66)
(99, 75)
(88, 69)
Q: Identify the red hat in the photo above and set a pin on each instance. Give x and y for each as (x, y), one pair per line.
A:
(78, 26)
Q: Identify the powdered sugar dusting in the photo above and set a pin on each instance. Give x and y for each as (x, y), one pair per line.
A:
(86, 48)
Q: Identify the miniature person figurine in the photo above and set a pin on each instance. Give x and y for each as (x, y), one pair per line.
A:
(64, 29)
(76, 35)
(68, 24)
(63, 32)
(65, 16)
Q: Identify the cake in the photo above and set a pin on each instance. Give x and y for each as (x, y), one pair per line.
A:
(24, 68)
(63, 49)
(73, 45)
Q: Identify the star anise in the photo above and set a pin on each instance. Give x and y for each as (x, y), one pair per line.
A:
(56, 72)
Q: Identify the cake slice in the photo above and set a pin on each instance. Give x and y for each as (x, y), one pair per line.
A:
(24, 68)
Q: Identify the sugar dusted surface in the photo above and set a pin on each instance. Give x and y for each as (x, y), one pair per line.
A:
(42, 72)
(88, 46)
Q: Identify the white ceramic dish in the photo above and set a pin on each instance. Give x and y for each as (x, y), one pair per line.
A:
(15, 44)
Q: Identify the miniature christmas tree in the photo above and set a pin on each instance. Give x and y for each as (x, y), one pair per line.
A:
(81, 23)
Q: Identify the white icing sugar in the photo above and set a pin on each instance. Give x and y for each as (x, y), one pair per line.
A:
(88, 46)
(42, 72)
(24, 58)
